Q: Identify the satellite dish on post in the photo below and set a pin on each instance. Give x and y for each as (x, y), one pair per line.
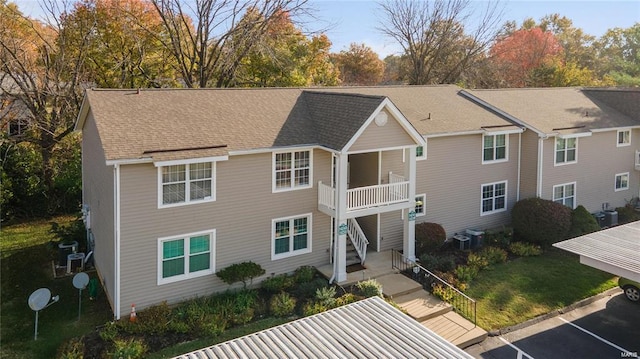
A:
(38, 300)
(80, 281)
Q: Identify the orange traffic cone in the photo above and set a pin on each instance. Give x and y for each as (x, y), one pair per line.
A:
(133, 317)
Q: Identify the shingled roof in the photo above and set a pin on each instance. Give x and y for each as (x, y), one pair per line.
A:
(555, 110)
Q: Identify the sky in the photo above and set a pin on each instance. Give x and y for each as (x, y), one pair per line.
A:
(356, 20)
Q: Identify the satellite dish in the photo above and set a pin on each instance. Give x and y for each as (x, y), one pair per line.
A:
(39, 299)
(80, 280)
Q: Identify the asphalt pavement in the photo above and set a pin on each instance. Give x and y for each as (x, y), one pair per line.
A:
(606, 328)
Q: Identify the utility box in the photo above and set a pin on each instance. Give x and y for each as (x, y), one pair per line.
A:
(476, 237)
(461, 241)
(611, 218)
(599, 216)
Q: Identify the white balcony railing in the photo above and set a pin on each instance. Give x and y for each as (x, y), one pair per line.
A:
(366, 197)
(637, 160)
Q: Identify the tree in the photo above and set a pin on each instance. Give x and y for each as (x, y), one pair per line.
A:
(359, 65)
(576, 44)
(283, 56)
(524, 50)
(42, 81)
(434, 39)
(618, 51)
(395, 70)
(200, 45)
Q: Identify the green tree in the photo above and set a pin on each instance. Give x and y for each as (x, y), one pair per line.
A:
(359, 65)
(618, 51)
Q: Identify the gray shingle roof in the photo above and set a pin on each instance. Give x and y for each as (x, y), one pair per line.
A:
(550, 109)
(624, 100)
(370, 328)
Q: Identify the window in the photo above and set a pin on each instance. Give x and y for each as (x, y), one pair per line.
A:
(421, 203)
(186, 183)
(565, 194)
(622, 181)
(185, 257)
(290, 236)
(624, 138)
(566, 150)
(291, 170)
(421, 154)
(494, 148)
(18, 127)
(494, 197)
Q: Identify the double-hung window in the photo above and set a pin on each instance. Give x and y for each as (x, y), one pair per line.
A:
(622, 181)
(186, 183)
(421, 153)
(188, 256)
(291, 170)
(624, 138)
(566, 150)
(290, 236)
(494, 148)
(421, 204)
(494, 198)
(565, 194)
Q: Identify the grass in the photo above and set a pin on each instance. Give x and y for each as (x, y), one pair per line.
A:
(26, 253)
(521, 289)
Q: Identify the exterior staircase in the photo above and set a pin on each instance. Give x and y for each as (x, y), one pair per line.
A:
(430, 311)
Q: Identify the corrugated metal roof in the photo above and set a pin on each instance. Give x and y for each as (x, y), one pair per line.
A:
(617, 246)
(370, 328)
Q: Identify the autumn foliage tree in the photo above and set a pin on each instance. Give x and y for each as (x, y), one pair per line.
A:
(359, 65)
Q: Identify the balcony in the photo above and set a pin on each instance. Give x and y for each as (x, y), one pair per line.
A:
(369, 199)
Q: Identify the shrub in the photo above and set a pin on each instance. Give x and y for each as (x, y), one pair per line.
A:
(74, 231)
(540, 221)
(437, 263)
(628, 213)
(429, 237)
(523, 249)
(240, 272)
(326, 296)
(314, 308)
(369, 288)
(477, 261)
(451, 279)
(155, 319)
(345, 299)
(109, 332)
(71, 349)
(282, 304)
(277, 283)
(582, 222)
(214, 326)
(494, 255)
(500, 239)
(131, 348)
(304, 274)
(466, 274)
(442, 291)
(308, 289)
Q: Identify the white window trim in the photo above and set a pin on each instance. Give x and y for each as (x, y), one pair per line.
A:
(616, 182)
(187, 201)
(506, 197)
(291, 253)
(187, 275)
(424, 153)
(575, 193)
(618, 144)
(506, 148)
(555, 150)
(424, 205)
(274, 189)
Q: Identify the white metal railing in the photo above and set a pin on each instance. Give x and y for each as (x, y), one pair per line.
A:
(358, 238)
(326, 195)
(377, 195)
(637, 160)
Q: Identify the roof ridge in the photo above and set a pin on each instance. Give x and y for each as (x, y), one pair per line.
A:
(331, 93)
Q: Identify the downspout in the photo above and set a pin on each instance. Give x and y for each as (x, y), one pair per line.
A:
(540, 163)
(116, 270)
(519, 166)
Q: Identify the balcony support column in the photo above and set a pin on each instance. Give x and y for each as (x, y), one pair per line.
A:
(409, 232)
(340, 259)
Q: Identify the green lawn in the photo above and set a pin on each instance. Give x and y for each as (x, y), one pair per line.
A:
(521, 289)
(25, 266)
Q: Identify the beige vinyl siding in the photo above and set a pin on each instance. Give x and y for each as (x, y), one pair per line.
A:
(363, 169)
(390, 135)
(241, 215)
(529, 165)
(391, 230)
(452, 177)
(599, 160)
(97, 189)
(392, 162)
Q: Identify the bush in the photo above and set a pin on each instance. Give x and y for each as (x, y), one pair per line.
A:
(477, 261)
(369, 288)
(240, 272)
(438, 263)
(540, 221)
(628, 213)
(314, 308)
(74, 231)
(345, 299)
(326, 296)
(500, 239)
(109, 332)
(494, 255)
(282, 304)
(155, 319)
(466, 274)
(429, 237)
(453, 280)
(277, 283)
(71, 349)
(443, 292)
(523, 249)
(308, 289)
(131, 348)
(582, 222)
(304, 274)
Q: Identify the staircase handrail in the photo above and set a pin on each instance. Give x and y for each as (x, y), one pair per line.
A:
(358, 238)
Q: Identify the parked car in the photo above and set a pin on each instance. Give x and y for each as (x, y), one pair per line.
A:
(631, 289)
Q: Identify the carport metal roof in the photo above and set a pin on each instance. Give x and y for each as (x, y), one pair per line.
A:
(370, 328)
(615, 250)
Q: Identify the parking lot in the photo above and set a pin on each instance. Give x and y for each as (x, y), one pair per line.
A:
(606, 328)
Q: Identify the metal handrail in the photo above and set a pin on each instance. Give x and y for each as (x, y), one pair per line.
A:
(461, 303)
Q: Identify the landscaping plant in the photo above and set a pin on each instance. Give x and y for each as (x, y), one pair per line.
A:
(369, 288)
(582, 222)
(429, 237)
(522, 249)
(240, 272)
(540, 221)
